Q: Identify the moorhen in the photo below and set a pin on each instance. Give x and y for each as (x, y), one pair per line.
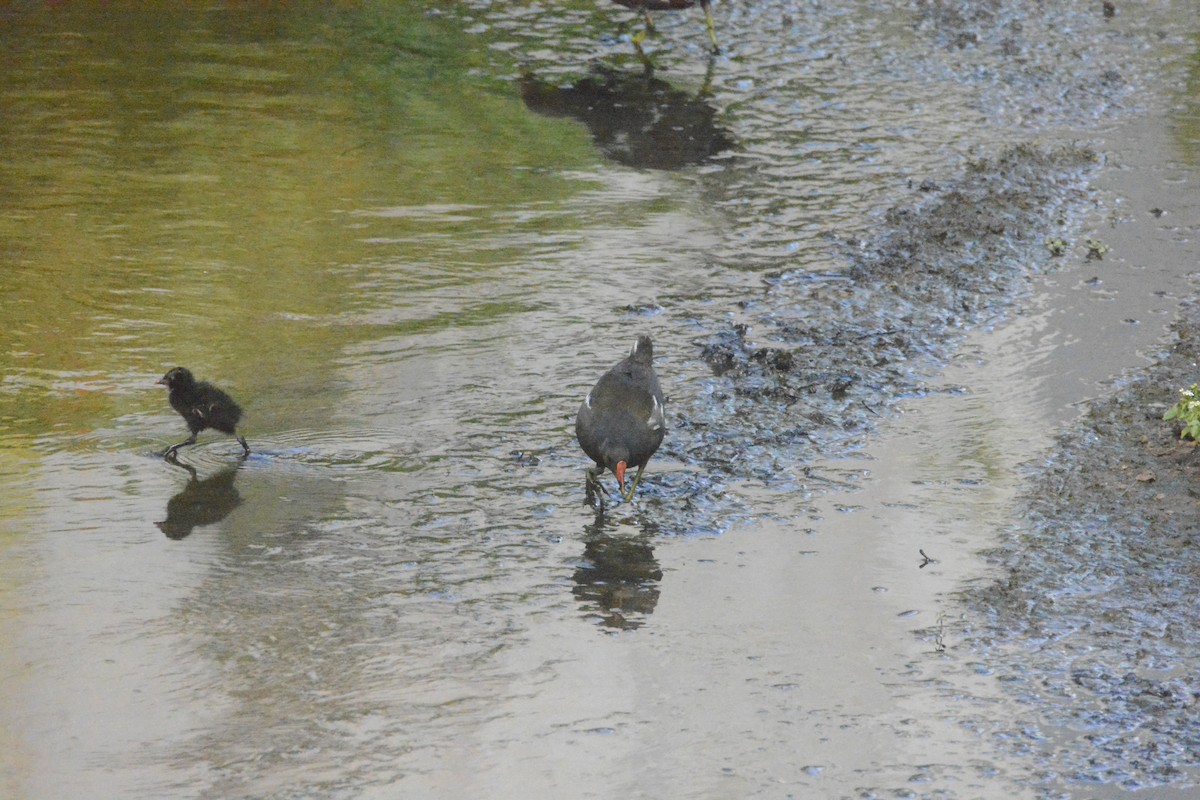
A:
(202, 406)
(646, 6)
(620, 423)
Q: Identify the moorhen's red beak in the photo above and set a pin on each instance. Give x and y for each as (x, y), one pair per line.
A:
(620, 471)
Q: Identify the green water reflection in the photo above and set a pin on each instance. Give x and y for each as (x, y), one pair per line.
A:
(1186, 117)
(219, 188)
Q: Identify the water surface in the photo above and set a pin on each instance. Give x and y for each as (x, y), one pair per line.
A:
(359, 222)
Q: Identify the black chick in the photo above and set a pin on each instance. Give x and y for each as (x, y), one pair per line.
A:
(202, 406)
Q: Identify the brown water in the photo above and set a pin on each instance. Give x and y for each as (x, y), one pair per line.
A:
(408, 274)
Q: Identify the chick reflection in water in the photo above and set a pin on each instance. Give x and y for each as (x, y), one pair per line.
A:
(635, 119)
(202, 502)
(617, 582)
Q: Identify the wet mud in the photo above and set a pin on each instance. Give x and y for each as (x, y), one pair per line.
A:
(816, 362)
(1091, 623)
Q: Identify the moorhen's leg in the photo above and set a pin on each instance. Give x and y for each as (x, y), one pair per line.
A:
(591, 484)
(647, 64)
(245, 447)
(173, 449)
(628, 495)
(593, 479)
(708, 20)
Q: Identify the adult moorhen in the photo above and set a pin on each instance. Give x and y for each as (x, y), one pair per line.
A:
(620, 423)
(646, 6)
(202, 406)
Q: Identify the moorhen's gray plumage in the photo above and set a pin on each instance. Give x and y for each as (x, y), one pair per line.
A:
(620, 423)
(646, 6)
(202, 406)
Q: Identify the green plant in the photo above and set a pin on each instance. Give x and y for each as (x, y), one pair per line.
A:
(1187, 411)
(1095, 249)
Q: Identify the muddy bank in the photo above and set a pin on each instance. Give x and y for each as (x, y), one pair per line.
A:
(1092, 624)
(816, 361)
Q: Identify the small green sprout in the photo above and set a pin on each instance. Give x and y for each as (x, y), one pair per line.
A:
(1187, 411)
(1056, 246)
(1095, 249)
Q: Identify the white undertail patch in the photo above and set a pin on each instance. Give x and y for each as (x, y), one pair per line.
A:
(656, 415)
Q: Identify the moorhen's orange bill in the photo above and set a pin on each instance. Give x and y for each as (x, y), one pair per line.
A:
(621, 422)
(202, 406)
(646, 6)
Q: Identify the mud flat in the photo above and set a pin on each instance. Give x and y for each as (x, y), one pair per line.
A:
(1092, 621)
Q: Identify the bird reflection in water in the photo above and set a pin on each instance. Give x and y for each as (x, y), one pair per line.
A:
(635, 119)
(202, 502)
(617, 581)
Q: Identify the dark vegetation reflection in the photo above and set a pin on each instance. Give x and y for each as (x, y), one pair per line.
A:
(202, 502)
(635, 119)
(617, 580)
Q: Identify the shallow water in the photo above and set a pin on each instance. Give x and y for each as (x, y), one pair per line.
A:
(409, 273)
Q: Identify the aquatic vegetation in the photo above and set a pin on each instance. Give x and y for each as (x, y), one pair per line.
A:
(1095, 249)
(1056, 246)
(1187, 411)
